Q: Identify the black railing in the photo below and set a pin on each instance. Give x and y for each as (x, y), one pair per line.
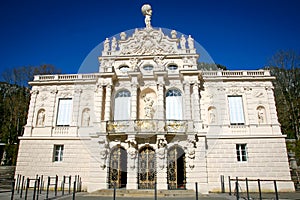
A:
(34, 187)
(241, 187)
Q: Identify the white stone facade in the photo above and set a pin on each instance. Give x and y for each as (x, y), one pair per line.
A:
(147, 103)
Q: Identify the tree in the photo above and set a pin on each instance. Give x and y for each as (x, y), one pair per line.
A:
(210, 66)
(22, 75)
(14, 103)
(284, 65)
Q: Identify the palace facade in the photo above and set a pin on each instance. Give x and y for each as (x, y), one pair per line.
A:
(151, 115)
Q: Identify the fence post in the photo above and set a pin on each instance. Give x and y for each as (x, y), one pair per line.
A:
(276, 193)
(155, 191)
(229, 185)
(63, 186)
(237, 188)
(74, 190)
(48, 185)
(196, 187)
(259, 189)
(114, 197)
(80, 184)
(70, 184)
(41, 184)
(38, 188)
(27, 186)
(56, 182)
(222, 184)
(22, 186)
(247, 188)
(18, 183)
(34, 190)
(13, 189)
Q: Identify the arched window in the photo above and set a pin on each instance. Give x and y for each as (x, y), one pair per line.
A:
(122, 105)
(174, 104)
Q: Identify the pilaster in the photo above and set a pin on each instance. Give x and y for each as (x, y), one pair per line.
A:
(76, 107)
(98, 102)
(134, 88)
(107, 103)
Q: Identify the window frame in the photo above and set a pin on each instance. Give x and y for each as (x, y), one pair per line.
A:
(241, 152)
(236, 110)
(58, 152)
(117, 115)
(61, 119)
(170, 109)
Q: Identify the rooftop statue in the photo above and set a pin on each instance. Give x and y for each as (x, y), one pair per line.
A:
(147, 12)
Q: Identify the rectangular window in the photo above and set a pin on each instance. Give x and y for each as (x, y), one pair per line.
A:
(58, 153)
(236, 110)
(64, 114)
(241, 152)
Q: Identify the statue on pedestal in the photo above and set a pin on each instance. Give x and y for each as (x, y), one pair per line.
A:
(147, 12)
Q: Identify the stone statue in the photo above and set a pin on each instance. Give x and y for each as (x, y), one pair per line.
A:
(173, 34)
(147, 12)
(190, 42)
(148, 107)
(106, 45)
(212, 115)
(182, 42)
(114, 44)
(41, 118)
(261, 115)
(85, 118)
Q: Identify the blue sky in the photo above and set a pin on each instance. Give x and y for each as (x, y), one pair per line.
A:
(240, 34)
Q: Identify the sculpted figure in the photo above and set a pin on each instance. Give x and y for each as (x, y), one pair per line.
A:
(85, 118)
(190, 42)
(106, 45)
(261, 115)
(212, 115)
(113, 44)
(182, 42)
(148, 106)
(41, 118)
(147, 12)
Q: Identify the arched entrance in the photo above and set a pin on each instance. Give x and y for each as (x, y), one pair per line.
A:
(176, 168)
(147, 168)
(118, 167)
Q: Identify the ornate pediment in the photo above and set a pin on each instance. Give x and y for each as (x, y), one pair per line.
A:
(148, 42)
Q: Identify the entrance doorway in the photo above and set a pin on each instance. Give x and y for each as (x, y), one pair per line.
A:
(147, 168)
(118, 168)
(176, 168)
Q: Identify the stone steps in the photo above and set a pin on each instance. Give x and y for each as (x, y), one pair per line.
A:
(144, 193)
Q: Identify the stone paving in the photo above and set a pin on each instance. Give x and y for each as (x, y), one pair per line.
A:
(211, 196)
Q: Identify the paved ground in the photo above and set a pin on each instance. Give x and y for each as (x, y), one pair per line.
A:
(211, 196)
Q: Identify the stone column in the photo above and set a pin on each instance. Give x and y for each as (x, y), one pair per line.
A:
(98, 102)
(76, 108)
(52, 109)
(31, 111)
(107, 103)
(160, 107)
(160, 101)
(187, 100)
(161, 167)
(196, 107)
(132, 165)
(134, 100)
(188, 108)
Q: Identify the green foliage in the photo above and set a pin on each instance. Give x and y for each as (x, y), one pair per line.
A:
(210, 66)
(14, 103)
(284, 65)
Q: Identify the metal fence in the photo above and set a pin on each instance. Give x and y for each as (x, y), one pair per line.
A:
(48, 187)
(240, 187)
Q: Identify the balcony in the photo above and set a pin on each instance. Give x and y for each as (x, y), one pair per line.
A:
(146, 126)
